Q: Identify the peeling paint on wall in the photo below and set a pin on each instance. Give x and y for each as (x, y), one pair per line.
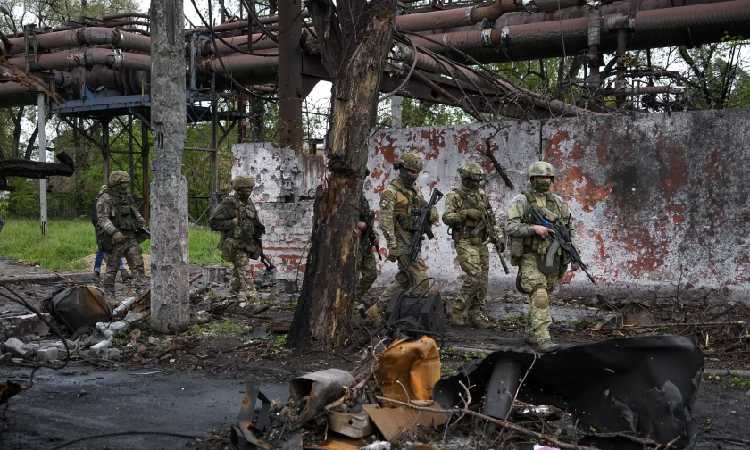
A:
(658, 199)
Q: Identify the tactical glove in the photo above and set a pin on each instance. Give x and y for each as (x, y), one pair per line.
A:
(118, 237)
(472, 214)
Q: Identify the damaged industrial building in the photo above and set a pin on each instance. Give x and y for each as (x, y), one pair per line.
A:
(374, 224)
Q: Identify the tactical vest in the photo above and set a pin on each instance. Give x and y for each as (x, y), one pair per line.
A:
(123, 215)
(406, 208)
(478, 234)
(534, 244)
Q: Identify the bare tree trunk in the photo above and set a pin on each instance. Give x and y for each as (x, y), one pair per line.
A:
(323, 314)
(170, 307)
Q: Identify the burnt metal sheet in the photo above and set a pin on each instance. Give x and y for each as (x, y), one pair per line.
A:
(642, 387)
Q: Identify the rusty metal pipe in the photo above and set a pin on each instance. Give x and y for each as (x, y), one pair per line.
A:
(69, 59)
(680, 25)
(244, 66)
(259, 42)
(84, 36)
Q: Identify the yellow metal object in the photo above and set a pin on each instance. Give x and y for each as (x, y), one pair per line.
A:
(409, 369)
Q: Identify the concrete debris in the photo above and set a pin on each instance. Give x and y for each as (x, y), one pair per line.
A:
(202, 317)
(115, 328)
(378, 445)
(133, 316)
(23, 325)
(114, 354)
(15, 346)
(47, 354)
(123, 307)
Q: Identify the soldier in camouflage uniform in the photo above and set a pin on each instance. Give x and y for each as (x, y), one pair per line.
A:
(367, 267)
(399, 206)
(469, 215)
(119, 226)
(241, 231)
(529, 244)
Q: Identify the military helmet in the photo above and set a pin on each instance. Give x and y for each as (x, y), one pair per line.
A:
(410, 161)
(541, 169)
(243, 182)
(118, 177)
(472, 171)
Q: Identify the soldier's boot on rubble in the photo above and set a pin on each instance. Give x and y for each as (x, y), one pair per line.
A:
(479, 319)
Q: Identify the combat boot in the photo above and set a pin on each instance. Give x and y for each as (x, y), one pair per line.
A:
(479, 319)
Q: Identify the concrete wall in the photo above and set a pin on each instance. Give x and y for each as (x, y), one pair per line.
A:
(659, 200)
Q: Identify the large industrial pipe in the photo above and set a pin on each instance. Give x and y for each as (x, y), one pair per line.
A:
(68, 59)
(683, 25)
(81, 37)
(227, 45)
(246, 66)
(466, 16)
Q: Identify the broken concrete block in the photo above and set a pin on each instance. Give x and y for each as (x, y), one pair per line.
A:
(47, 354)
(24, 325)
(114, 354)
(116, 327)
(133, 316)
(15, 346)
(100, 349)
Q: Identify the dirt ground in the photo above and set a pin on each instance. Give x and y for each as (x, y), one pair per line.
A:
(192, 383)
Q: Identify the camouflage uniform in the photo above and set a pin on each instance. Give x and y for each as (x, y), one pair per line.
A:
(237, 220)
(469, 215)
(528, 250)
(367, 267)
(399, 205)
(117, 225)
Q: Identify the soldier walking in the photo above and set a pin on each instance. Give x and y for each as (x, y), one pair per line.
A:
(241, 232)
(400, 205)
(529, 247)
(121, 229)
(472, 224)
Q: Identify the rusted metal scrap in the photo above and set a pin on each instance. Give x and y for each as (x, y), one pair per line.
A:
(641, 389)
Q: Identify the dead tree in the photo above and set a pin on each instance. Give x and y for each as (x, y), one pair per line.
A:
(170, 307)
(356, 37)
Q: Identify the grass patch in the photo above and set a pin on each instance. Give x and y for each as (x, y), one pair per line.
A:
(69, 241)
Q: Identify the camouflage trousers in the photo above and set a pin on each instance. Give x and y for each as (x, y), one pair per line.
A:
(538, 285)
(410, 275)
(367, 270)
(474, 261)
(131, 251)
(240, 285)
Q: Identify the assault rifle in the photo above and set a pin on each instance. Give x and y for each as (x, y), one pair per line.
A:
(499, 249)
(423, 225)
(259, 231)
(560, 237)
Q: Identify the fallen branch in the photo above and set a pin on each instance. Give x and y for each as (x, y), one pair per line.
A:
(499, 422)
